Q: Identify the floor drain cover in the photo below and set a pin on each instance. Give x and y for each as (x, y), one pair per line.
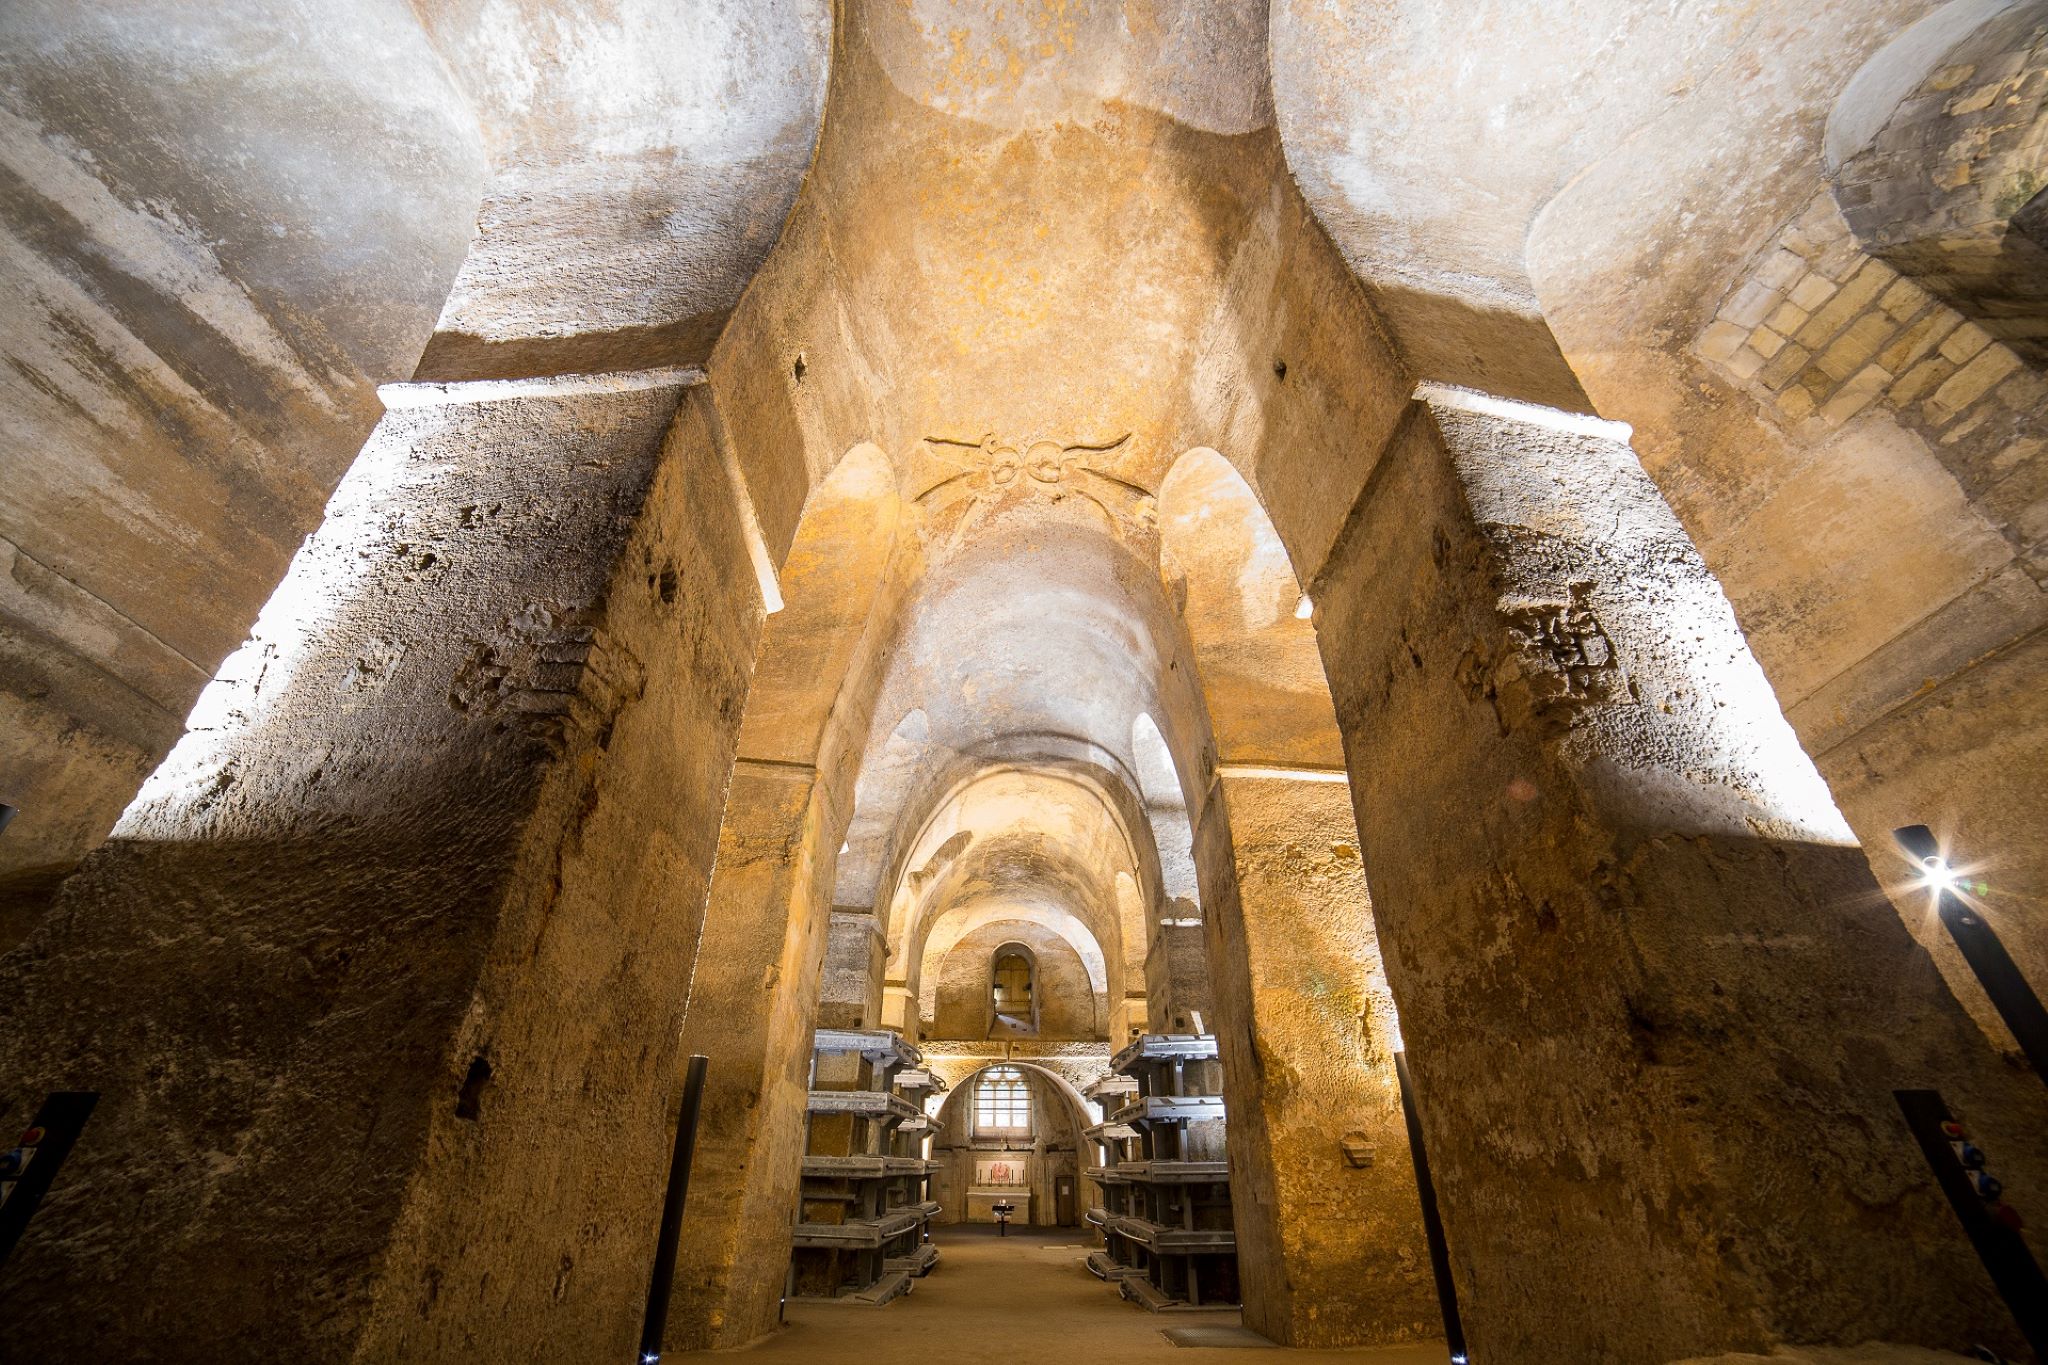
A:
(1215, 1336)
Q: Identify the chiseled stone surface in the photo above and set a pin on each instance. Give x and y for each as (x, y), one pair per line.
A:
(1645, 941)
(1307, 1033)
(643, 157)
(332, 942)
(753, 1004)
(1881, 547)
(221, 226)
(1089, 340)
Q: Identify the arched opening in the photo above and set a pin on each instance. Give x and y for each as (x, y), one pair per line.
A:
(1937, 153)
(1294, 971)
(1011, 1133)
(768, 913)
(1013, 1002)
(1002, 1105)
(439, 868)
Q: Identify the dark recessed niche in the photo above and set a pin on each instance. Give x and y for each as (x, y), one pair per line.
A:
(469, 1104)
(6, 814)
(1279, 369)
(797, 369)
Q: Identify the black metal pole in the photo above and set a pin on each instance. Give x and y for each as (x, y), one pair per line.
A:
(2000, 976)
(656, 1321)
(1996, 972)
(2012, 1267)
(28, 1168)
(1432, 1222)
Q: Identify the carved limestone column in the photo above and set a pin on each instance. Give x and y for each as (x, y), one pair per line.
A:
(753, 1008)
(1330, 1247)
(1654, 1003)
(379, 978)
(851, 994)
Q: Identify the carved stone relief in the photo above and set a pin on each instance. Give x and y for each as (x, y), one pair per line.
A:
(986, 471)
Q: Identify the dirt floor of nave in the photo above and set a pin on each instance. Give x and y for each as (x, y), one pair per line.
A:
(1026, 1296)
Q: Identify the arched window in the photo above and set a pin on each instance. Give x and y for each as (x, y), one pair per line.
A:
(1002, 1102)
(1013, 1002)
(1013, 986)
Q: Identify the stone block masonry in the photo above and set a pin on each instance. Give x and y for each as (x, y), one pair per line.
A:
(1821, 332)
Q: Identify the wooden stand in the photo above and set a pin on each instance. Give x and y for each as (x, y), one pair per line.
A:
(1168, 1243)
(863, 1228)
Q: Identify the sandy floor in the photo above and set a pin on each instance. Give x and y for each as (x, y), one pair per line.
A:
(1024, 1296)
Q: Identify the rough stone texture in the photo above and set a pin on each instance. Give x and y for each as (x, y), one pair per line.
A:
(1875, 336)
(1649, 938)
(1109, 393)
(1329, 1253)
(1066, 1002)
(1872, 564)
(331, 937)
(1936, 191)
(752, 1007)
(754, 997)
(850, 995)
(1983, 416)
(1058, 931)
(643, 158)
(221, 225)
(1178, 994)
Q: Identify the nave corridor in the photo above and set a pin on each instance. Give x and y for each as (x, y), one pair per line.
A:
(1027, 1294)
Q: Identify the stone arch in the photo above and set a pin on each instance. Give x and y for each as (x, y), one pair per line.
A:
(1015, 949)
(1166, 800)
(1937, 151)
(1292, 969)
(936, 865)
(768, 914)
(1255, 647)
(1069, 997)
(831, 581)
(959, 921)
(953, 1113)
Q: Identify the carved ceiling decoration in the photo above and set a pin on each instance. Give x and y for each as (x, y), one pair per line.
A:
(979, 474)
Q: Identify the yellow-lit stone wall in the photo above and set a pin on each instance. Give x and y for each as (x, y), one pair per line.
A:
(1819, 329)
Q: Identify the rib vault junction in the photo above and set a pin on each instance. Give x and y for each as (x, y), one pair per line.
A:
(872, 680)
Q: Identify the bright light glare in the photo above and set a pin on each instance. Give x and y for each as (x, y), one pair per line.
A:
(1304, 608)
(1936, 874)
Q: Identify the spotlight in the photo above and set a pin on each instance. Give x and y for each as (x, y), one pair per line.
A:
(1304, 608)
(2008, 988)
(1936, 874)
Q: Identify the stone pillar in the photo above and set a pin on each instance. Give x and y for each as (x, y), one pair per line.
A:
(899, 1010)
(1654, 1003)
(380, 977)
(1329, 1253)
(1177, 996)
(752, 1011)
(851, 995)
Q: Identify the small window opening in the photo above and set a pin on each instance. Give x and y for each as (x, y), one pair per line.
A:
(1012, 991)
